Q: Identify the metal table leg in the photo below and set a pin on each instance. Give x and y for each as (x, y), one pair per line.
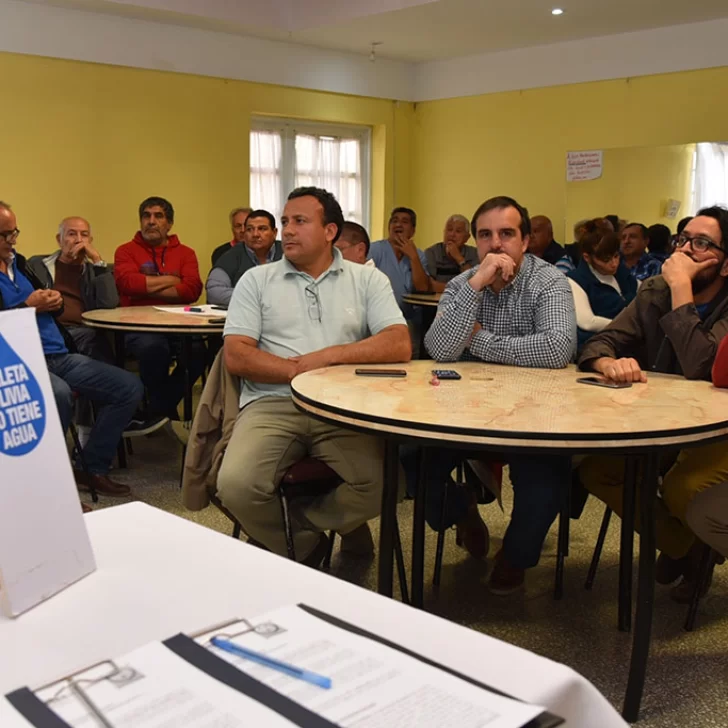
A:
(626, 547)
(388, 520)
(563, 540)
(418, 534)
(645, 592)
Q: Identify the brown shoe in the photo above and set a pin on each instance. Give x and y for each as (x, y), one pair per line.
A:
(505, 578)
(102, 483)
(473, 533)
(85, 508)
(358, 543)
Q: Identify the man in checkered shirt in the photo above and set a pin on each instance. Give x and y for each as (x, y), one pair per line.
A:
(512, 309)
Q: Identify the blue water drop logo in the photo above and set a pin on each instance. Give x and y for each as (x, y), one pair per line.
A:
(22, 408)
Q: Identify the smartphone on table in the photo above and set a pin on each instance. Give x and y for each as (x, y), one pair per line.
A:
(599, 382)
(446, 374)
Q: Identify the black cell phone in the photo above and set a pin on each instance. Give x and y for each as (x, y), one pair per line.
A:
(599, 382)
(446, 374)
(380, 372)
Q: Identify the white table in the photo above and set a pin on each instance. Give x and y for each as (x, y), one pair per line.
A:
(159, 575)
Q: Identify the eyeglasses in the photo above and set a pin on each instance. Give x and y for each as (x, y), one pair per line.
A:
(314, 303)
(9, 236)
(699, 243)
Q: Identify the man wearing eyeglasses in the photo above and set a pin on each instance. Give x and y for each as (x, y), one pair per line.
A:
(312, 309)
(116, 392)
(674, 325)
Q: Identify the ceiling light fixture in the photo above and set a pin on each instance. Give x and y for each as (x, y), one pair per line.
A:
(557, 11)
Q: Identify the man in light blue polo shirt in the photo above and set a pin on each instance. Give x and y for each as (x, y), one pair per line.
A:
(311, 309)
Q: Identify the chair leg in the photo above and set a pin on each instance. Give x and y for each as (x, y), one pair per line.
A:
(326, 564)
(704, 569)
(236, 530)
(82, 459)
(562, 550)
(287, 527)
(589, 583)
(129, 448)
(399, 558)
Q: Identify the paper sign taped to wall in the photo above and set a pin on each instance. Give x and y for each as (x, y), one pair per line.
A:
(584, 166)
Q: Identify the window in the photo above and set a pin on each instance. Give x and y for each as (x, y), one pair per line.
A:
(289, 154)
(711, 175)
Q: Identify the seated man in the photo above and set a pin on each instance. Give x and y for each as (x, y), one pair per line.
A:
(641, 264)
(602, 285)
(542, 243)
(116, 392)
(153, 269)
(673, 326)
(258, 248)
(451, 257)
(85, 282)
(312, 309)
(353, 243)
(512, 309)
(237, 222)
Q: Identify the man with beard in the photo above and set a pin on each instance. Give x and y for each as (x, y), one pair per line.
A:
(674, 325)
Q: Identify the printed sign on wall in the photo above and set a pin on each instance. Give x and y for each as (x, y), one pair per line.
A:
(584, 166)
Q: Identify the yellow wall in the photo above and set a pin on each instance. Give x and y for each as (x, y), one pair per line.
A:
(94, 140)
(515, 143)
(636, 183)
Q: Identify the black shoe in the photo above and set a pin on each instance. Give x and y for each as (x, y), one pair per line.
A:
(315, 558)
(669, 570)
(139, 427)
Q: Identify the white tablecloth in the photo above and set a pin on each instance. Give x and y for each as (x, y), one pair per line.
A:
(159, 575)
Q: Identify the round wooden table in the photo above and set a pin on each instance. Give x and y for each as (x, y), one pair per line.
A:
(429, 303)
(512, 409)
(148, 319)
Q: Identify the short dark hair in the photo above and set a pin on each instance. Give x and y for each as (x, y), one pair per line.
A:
(683, 224)
(356, 233)
(601, 243)
(660, 237)
(500, 203)
(407, 210)
(643, 228)
(614, 220)
(332, 213)
(720, 215)
(262, 213)
(158, 202)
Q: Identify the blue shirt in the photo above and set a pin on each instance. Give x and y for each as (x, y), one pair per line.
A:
(254, 257)
(289, 313)
(15, 289)
(647, 266)
(399, 271)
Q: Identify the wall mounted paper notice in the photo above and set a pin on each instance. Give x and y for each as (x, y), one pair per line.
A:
(584, 166)
(44, 545)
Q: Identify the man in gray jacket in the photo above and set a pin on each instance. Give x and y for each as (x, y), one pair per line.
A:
(77, 271)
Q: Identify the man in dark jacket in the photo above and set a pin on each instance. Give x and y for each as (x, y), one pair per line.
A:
(77, 271)
(259, 247)
(116, 392)
(542, 243)
(674, 326)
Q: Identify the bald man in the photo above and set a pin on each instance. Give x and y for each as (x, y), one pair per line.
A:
(77, 271)
(542, 243)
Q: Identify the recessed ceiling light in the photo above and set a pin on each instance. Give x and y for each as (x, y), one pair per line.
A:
(557, 11)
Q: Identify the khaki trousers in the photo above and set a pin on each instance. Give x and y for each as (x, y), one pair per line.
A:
(696, 469)
(269, 436)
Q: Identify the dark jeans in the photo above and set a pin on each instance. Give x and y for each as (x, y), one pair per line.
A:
(92, 342)
(115, 393)
(155, 353)
(538, 482)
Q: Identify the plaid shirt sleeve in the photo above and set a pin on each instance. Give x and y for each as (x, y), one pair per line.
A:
(450, 333)
(552, 346)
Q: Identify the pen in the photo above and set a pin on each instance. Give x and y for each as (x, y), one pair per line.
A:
(261, 659)
(193, 309)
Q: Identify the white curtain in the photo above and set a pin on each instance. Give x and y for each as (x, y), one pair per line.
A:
(711, 175)
(265, 172)
(335, 165)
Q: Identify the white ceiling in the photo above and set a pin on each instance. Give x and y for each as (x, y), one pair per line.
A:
(415, 30)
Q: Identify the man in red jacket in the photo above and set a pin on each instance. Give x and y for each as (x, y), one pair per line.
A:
(154, 269)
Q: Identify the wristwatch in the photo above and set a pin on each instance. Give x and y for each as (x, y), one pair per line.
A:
(100, 264)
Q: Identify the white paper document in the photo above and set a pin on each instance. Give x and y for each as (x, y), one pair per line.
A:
(373, 686)
(154, 688)
(204, 310)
